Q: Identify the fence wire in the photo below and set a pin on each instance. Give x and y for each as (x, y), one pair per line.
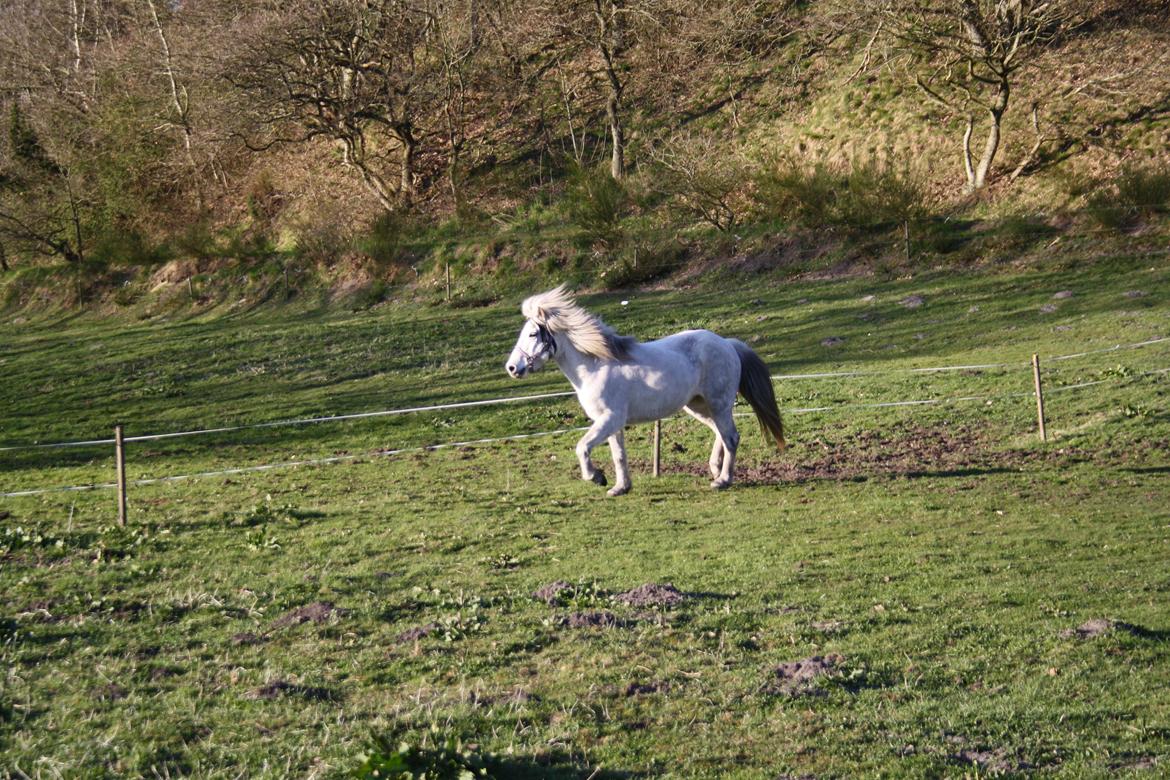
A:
(545, 396)
(560, 431)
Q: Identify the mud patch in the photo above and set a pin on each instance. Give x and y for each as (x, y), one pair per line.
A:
(1135, 764)
(552, 593)
(652, 595)
(412, 635)
(593, 619)
(642, 689)
(280, 688)
(997, 761)
(317, 612)
(903, 450)
(801, 678)
(1096, 627)
(111, 692)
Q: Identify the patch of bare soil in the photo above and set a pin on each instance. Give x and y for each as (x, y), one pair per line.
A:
(1135, 764)
(317, 612)
(246, 638)
(904, 450)
(642, 689)
(279, 688)
(412, 635)
(551, 593)
(998, 761)
(1096, 627)
(110, 692)
(593, 619)
(799, 678)
(652, 595)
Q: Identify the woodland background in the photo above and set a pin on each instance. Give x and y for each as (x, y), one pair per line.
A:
(159, 153)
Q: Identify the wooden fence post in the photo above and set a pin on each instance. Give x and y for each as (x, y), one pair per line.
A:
(1039, 396)
(120, 460)
(447, 266)
(657, 448)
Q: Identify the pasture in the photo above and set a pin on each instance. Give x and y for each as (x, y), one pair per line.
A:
(963, 599)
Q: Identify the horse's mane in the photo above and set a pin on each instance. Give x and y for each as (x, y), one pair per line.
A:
(560, 313)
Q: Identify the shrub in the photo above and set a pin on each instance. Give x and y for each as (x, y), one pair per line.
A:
(868, 196)
(704, 179)
(385, 241)
(643, 262)
(597, 204)
(321, 240)
(1133, 195)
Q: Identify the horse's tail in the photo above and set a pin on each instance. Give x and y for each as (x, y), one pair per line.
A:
(755, 383)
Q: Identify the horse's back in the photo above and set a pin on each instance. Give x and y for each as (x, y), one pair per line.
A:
(712, 358)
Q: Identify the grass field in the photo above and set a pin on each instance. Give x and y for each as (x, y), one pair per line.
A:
(929, 565)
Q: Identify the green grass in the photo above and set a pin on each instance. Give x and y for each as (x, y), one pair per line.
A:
(939, 550)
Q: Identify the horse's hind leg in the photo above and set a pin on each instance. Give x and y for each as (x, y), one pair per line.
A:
(728, 436)
(617, 447)
(698, 409)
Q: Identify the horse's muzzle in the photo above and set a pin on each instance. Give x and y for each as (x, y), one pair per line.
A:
(516, 370)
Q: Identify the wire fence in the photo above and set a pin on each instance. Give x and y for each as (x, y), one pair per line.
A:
(934, 401)
(545, 396)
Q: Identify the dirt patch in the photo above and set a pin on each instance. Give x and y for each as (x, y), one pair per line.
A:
(246, 638)
(412, 635)
(903, 450)
(278, 688)
(317, 612)
(912, 301)
(799, 678)
(551, 594)
(1135, 764)
(1096, 627)
(997, 761)
(642, 689)
(111, 692)
(593, 619)
(652, 595)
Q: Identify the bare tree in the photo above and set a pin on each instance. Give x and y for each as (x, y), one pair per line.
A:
(40, 210)
(600, 35)
(968, 56)
(356, 72)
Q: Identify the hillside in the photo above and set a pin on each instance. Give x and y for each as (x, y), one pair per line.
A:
(207, 156)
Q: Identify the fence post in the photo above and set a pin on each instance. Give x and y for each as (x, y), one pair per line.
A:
(447, 266)
(120, 460)
(657, 448)
(906, 239)
(1039, 396)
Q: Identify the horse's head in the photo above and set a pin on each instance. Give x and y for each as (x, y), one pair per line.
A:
(534, 347)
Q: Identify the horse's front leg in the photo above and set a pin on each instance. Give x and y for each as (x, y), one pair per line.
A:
(602, 428)
(617, 448)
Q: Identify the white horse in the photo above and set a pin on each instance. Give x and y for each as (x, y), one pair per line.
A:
(620, 381)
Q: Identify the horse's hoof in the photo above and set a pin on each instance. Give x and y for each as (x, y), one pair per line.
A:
(598, 478)
(720, 484)
(618, 490)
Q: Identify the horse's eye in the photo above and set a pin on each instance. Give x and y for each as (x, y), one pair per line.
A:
(536, 335)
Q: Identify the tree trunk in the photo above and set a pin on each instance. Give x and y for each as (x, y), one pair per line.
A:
(996, 112)
(609, 46)
(179, 102)
(406, 190)
(617, 163)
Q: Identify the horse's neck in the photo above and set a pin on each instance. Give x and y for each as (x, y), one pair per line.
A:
(580, 369)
